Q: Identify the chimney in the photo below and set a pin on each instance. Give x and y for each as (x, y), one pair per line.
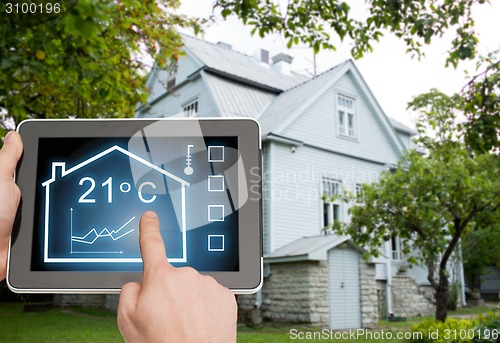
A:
(262, 56)
(224, 45)
(283, 63)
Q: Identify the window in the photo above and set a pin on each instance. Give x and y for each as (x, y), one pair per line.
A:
(346, 116)
(171, 83)
(331, 207)
(397, 253)
(191, 109)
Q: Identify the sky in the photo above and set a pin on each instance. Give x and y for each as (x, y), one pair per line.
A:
(392, 75)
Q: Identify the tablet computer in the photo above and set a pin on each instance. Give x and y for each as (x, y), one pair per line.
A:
(85, 184)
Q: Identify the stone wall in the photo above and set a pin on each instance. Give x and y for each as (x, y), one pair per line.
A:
(296, 292)
(368, 292)
(410, 299)
(81, 300)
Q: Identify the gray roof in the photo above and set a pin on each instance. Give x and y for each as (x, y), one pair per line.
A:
(288, 101)
(251, 100)
(236, 64)
(307, 248)
(402, 127)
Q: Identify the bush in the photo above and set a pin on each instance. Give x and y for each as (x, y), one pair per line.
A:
(488, 328)
(436, 331)
(484, 329)
(453, 292)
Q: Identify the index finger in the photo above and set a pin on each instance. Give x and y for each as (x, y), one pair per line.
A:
(151, 243)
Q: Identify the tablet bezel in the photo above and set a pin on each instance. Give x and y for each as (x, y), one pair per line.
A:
(20, 277)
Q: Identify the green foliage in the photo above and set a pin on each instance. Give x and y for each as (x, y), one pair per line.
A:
(85, 63)
(454, 292)
(481, 97)
(429, 201)
(488, 327)
(480, 330)
(444, 330)
(314, 22)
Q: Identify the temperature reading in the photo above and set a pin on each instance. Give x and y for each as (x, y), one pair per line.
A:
(86, 197)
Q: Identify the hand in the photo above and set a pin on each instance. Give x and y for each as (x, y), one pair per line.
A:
(9, 193)
(173, 304)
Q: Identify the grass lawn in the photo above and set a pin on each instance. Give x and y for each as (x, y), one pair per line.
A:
(56, 325)
(88, 325)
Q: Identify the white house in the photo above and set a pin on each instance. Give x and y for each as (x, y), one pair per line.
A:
(320, 135)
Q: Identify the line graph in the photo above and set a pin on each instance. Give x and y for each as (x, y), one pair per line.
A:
(93, 235)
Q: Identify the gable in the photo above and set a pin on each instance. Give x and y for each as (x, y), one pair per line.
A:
(171, 104)
(318, 125)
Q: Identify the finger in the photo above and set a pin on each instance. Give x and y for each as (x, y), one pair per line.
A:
(9, 155)
(129, 295)
(150, 240)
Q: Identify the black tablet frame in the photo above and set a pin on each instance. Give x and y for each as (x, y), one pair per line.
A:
(20, 277)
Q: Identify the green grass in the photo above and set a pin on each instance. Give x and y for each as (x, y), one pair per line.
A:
(91, 325)
(272, 334)
(57, 325)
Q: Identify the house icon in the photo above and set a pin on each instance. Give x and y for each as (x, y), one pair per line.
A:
(91, 211)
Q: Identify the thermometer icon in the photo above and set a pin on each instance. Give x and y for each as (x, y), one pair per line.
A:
(188, 170)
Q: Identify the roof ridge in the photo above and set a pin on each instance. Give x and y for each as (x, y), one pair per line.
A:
(215, 45)
(316, 77)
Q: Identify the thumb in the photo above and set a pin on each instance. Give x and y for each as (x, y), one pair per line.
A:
(9, 155)
(152, 247)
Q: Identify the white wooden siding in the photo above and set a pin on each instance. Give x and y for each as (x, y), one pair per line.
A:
(158, 84)
(265, 199)
(318, 125)
(343, 289)
(173, 103)
(295, 196)
(405, 139)
(380, 271)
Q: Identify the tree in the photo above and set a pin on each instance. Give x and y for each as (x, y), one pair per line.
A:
(480, 249)
(429, 201)
(481, 96)
(85, 61)
(316, 22)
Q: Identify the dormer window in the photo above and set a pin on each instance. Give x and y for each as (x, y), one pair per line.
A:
(346, 116)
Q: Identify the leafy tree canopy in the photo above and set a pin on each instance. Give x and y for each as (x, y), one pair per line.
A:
(430, 201)
(316, 22)
(85, 62)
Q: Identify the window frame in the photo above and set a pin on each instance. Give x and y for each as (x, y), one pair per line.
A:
(344, 130)
(331, 204)
(188, 113)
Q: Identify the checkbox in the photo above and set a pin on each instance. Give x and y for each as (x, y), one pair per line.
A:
(215, 242)
(215, 213)
(216, 183)
(215, 153)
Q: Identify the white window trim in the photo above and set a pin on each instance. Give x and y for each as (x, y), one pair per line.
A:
(188, 112)
(331, 203)
(346, 110)
(396, 255)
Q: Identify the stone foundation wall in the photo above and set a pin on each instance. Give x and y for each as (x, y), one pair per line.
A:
(410, 299)
(296, 292)
(368, 294)
(81, 300)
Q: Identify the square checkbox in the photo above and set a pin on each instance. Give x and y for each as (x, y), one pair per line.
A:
(215, 213)
(215, 153)
(215, 242)
(216, 183)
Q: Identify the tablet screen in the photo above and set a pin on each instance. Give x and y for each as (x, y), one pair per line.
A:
(91, 192)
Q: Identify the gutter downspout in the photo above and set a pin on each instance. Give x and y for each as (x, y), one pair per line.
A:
(388, 288)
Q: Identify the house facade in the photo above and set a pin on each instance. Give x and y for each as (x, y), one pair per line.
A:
(320, 136)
